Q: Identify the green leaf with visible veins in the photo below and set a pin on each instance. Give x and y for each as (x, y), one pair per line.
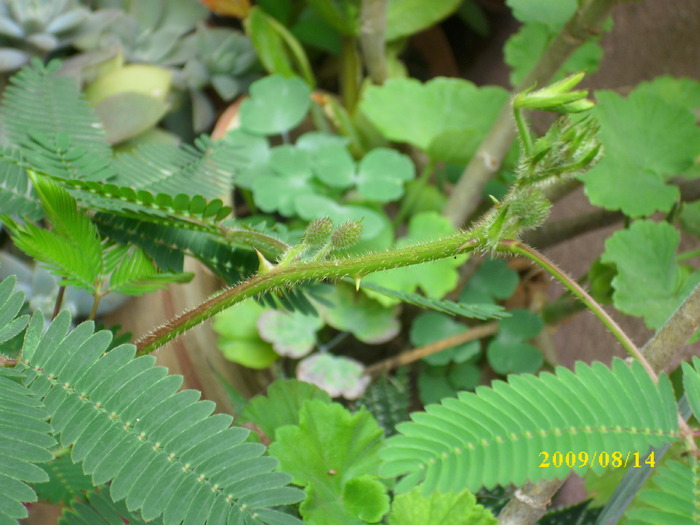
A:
(413, 508)
(649, 283)
(647, 140)
(334, 454)
(406, 110)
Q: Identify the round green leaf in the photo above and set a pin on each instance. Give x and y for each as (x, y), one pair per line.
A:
(252, 354)
(333, 165)
(339, 376)
(434, 386)
(464, 376)
(382, 174)
(520, 326)
(406, 17)
(276, 105)
(509, 356)
(366, 498)
(493, 280)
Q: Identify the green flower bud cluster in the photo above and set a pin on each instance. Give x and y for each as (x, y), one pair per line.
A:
(320, 235)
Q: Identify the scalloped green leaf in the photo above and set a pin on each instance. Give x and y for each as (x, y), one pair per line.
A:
(337, 375)
(292, 334)
(281, 405)
(456, 508)
(405, 110)
(646, 253)
(276, 105)
(640, 159)
(333, 165)
(327, 450)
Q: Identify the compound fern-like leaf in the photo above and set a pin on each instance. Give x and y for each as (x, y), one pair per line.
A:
(15, 197)
(509, 432)
(162, 450)
(26, 439)
(37, 103)
(673, 499)
(97, 508)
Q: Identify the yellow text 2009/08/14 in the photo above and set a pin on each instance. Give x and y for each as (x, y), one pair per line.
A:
(604, 459)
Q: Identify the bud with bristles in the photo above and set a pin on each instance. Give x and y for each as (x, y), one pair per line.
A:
(346, 235)
(318, 231)
(556, 97)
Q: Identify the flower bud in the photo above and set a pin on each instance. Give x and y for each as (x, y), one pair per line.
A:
(346, 235)
(317, 232)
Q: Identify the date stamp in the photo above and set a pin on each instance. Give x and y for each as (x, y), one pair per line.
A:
(604, 459)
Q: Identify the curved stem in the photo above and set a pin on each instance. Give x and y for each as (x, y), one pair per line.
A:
(513, 246)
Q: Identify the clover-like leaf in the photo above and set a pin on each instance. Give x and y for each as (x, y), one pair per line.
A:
(435, 278)
(285, 177)
(639, 157)
(415, 508)
(649, 283)
(405, 110)
(382, 174)
(429, 327)
(337, 375)
(438, 382)
(333, 164)
(494, 280)
(292, 334)
(239, 340)
(365, 318)
(508, 352)
(333, 453)
(276, 105)
(281, 405)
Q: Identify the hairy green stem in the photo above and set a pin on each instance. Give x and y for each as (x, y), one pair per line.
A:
(585, 24)
(288, 275)
(372, 38)
(519, 248)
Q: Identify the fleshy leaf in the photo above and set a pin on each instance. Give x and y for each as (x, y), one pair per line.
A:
(339, 376)
(292, 334)
(455, 508)
(276, 105)
(646, 253)
(327, 450)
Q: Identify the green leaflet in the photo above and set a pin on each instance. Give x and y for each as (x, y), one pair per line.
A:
(670, 498)
(112, 408)
(495, 436)
(457, 508)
